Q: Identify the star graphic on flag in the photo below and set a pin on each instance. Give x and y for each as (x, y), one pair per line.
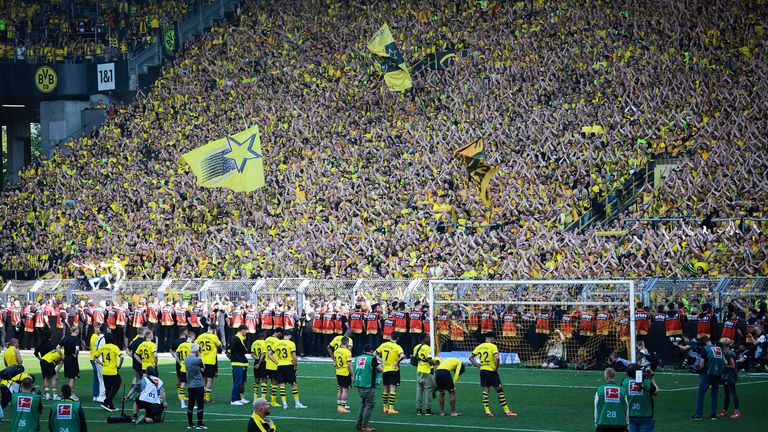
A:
(241, 152)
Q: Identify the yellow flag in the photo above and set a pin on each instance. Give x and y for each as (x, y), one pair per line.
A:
(234, 162)
(474, 149)
(389, 61)
(480, 172)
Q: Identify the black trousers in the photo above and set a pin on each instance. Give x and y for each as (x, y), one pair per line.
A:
(195, 398)
(111, 387)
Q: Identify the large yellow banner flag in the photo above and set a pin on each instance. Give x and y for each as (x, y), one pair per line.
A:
(389, 61)
(234, 162)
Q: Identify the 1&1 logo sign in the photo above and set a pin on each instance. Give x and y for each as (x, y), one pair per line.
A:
(46, 79)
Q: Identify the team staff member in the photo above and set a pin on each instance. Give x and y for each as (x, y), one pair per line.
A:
(151, 398)
(26, 409)
(259, 352)
(425, 381)
(391, 355)
(179, 354)
(447, 375)
(285, 356)
(486, 357)
(640, 398)
(111, 360)
(271, 345)
(67, 414)
(238, 356)
(12, 355)
(95, 342)
(259, 421)
(611, 406)
(209, 348)
(132, 347)
(193, 365)
(70, 348)
(342, 360)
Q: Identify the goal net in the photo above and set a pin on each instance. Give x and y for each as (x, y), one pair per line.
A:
(535, 323)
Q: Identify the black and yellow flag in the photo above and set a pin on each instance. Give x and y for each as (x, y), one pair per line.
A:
(480, 172)
(389, 60)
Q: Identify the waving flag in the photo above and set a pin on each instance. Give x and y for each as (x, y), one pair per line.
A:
(389, 61)
(234, 162)
(480, 172)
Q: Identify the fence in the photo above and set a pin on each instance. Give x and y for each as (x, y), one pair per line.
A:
(313, 292)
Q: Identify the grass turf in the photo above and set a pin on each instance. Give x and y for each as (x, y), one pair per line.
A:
(556, 400)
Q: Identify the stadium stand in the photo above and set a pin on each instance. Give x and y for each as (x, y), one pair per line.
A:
(85, 30)
(360, 181)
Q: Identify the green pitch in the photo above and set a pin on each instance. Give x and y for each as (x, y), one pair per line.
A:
(556, 400)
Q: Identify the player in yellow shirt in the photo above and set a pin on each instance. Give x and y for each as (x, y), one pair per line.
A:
(391, 355)
(271, 367)
(182, 351)
(146, 352)
(447, 374)
(50, 364)
(111, 360)
(12, 355)
(284, 354)
(209, 348)
(486, 357)
(336, 342)
(260, 379)
(342, 360)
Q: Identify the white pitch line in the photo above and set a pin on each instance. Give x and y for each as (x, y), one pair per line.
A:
(336, 420)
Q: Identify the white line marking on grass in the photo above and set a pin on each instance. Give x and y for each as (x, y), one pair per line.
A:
(696, 388)
(246, 415)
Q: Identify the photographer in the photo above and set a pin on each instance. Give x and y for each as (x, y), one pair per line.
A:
(151, 398)
(640, 395)
(691, 349)
(711, 369)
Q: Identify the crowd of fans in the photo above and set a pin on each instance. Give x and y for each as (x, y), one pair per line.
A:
(83, 30)
(360, 181)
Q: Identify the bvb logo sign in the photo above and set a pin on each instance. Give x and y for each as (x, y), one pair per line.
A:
(46, 79)
(169, 40)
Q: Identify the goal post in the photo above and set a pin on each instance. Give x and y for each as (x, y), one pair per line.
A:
(537, 323)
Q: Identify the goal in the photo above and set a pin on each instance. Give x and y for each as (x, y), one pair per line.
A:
(536, 323)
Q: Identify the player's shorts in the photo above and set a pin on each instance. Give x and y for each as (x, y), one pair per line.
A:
(260, 372)
(286, 374)
(344, 381)
(211, 371)
(182, 376)
(391, 378)
(47, 370)
(271, 373)
(489, 379)
(71, 368)
(444, 380)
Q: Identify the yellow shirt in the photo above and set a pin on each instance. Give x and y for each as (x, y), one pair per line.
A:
(284, 352)
(109, 354)
(183, 351)
(146, 351)
(9, 356)
(424, 353)
(259, 349)
(451, 364)
(336, 343)
(53, 357)
(92, 345)
(341, 359)
(486, 354)
(271, 345)
(209, 347)
(390, 353)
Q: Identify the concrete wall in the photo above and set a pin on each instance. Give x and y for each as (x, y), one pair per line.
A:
(59, 120)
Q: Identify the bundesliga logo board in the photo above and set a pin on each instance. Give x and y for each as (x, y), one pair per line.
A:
(718, 352)
(24, 404)
(64, 412)
(612, 394)
(635, 388)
